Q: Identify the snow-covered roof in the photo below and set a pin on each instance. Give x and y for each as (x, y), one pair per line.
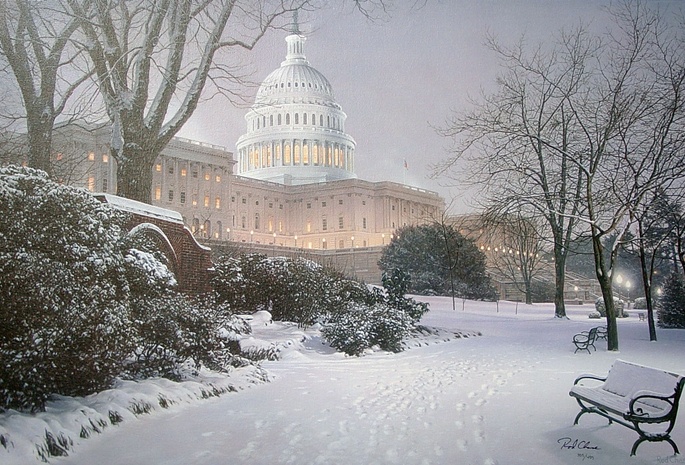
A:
(140, 208)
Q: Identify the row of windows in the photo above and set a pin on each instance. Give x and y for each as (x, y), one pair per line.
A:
(303, 152)
(184, 172)
(332, 122)
(183, 198)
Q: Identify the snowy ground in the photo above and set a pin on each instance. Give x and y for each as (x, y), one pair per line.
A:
(499, 398)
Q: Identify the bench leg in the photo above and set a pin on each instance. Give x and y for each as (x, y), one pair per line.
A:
(592, 409)
(645, 438)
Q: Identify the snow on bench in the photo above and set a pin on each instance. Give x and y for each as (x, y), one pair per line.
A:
(632, 395)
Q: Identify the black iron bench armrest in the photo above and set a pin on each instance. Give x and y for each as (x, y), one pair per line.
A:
(640, 395)
(589, 376)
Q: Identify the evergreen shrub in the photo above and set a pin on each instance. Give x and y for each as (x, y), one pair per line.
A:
(671, 307)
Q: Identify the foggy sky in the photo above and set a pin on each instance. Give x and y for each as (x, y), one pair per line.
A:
(396, 77)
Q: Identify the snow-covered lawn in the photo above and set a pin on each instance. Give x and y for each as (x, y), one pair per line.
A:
(496, 398)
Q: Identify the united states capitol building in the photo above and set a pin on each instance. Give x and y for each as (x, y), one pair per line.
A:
(291, 182)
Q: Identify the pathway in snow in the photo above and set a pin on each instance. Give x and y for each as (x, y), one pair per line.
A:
(424, 406)
(501, 398)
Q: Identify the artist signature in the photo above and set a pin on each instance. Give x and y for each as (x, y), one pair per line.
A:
(576, 444)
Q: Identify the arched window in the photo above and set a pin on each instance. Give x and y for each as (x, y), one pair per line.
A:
(315, 153)
(279, 119)
(278, 154)
(287, 118)
(320, 120)
(313, 119)
(271, 120)
(296, 160)
(297, 118)
(286, 154)
(268, 155)
(304, 118)
(256, 220)
(305, 153)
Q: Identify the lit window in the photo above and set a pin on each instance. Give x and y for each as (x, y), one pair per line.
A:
(158, 192)
(218, 178)
(91, 156)
(105, 158)
(194, 201)
(58, 156)
(309, 226)
(206, 176)
(184, 172)
(206, 201)
(91, 183)
(158, 167)
(217, 202)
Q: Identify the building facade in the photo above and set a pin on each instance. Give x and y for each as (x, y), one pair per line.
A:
(292, 184)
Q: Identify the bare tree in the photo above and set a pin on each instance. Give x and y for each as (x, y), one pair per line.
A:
(35, 41)
(583, 134)
(516, 142)
(153, 60)
(515, 249)
(631, 122)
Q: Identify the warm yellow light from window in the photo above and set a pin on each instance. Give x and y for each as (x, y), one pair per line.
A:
(158, 192)
(184, 172)
(91, 183)
(206, 201)
(91, 156)
(158, 167)
(105, 158)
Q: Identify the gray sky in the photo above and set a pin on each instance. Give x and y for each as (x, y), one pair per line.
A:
(396, 77)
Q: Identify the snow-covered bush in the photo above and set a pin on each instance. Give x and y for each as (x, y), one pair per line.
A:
(618, 305)
(396, 284)
(349, 330)
(64, 314)
(383, 320)
(640, 303)
(671, 307)
(296, 290)
(359, 327)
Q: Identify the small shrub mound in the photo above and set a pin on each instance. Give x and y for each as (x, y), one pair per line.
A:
(389, 319)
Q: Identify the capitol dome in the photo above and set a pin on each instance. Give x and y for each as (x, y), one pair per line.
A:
(295, 129)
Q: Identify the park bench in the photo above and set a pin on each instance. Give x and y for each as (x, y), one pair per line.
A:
(633, 395)
(585, 340)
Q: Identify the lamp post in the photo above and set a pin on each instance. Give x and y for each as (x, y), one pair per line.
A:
(251, 236)
(383, 236)
(295, 240)
(228, 234)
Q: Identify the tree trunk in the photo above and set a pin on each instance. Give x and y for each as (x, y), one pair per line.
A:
(39, 131)
(604, 280)
(134, 174)
(560, 282)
